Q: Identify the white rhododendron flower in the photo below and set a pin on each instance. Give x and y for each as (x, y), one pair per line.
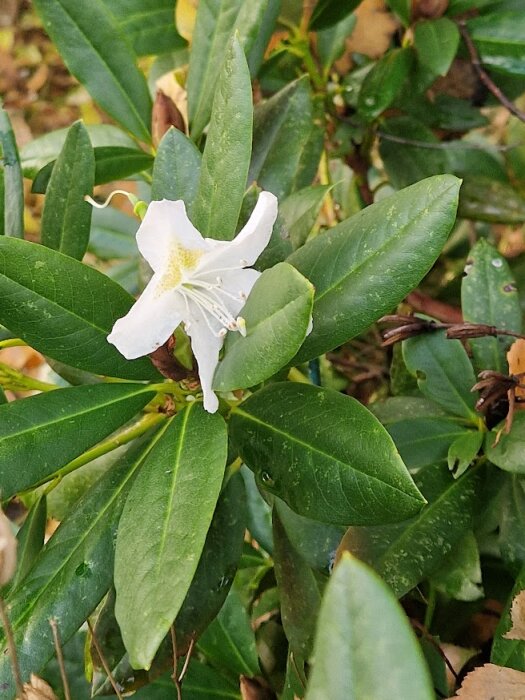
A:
(200, 282)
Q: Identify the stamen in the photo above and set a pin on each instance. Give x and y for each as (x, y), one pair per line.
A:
(218, 312)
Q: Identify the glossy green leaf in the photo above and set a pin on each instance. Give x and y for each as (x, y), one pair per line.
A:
(405, 554)
(148, 27)
(66, 218)
(423, 441)
(298, 592)
(217, 564)
(259, 522)
(366, 265)
(512, 523)
(509, 453)
(509, 652)
(213, 28)
(443, 371)
(287, 142)
(436, 42)
(11, 183)
(162, 532)
(113, 234)
(486, 199)
(30, 539)
(58, 426)
(97, 54)
(489, 295)
(459, 576)
(499, 38)
(463, 451)
(299, 212)
(277, 315)
(38, 153)
(329, 12)
(71, 574)
(384, 82)
(64, 309)
(229, 642)
(324, 454)
(331, 41)
(177, 168)
(359, 609)
(254, 26)
(226, 155)
(402, 8)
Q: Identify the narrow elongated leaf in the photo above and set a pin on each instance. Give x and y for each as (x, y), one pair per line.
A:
(254, 25)
(489, 295)
(177, 169)
(229, 641)
(11, 183)
(277, 315)
(72, 572)
(97, 54)
(358, 610)
(299, 212)
(298, 592)
(66, 218)
(324, 454)
(162, 531)
(485, 199)
(512, 523)
(443, 371)
(64, 309)
(227, 152)
(42, 433)
(30, 539)
(366, 265)
(286, 150)
(404, 554)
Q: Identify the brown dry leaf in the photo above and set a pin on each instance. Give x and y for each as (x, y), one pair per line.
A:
(517, 615)
(516, 360)
(491, 682)
(165, 114)
(185, 14)
(8, 544)
(172, 88)
(38, 689)
(372, 33)
(253, 689)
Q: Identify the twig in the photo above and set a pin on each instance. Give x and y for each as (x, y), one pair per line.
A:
(60, 658)
(447, 145)
(484, 76)
(187, 660)
(103, 661)
(13, 656)
(174, 675)
(424, 631)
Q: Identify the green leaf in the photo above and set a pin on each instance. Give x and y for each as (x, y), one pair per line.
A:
(443, 371)
(11, 182)
(229, 642)
(64, 309)
(213, 27)
(459, 575)
(436, 43)
(162, 532)
(509, 652)
(112, 234)
(148, 27)
(384, 82)
(30, 539)
(407, 553)
(299, 212)
(97, 54)
(277, 315)
(463, 451)
(358, 609)
(400, 408)
(226, 155)
(255, 25)
(402, 8)
(512, 523)
(307, 445)
(71, 574)
(367, 264)
(508, 454)
(485, 199)
(59, 426)
(331, 41)
(200, 683)
(423, 441)
(489, 295)
(499, 38)
(287, 141)
(44, 149)
(66, 218)
(329, 12)
(298, 592)
(177, 168)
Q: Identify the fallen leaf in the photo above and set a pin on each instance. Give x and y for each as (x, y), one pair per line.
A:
(516, 360)
(517, 615)
(38, 689)
(491, 682)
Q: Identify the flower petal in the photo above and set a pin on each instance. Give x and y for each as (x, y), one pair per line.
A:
(165, 227)
(249, 243)
(206, 347)
(149, 323)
